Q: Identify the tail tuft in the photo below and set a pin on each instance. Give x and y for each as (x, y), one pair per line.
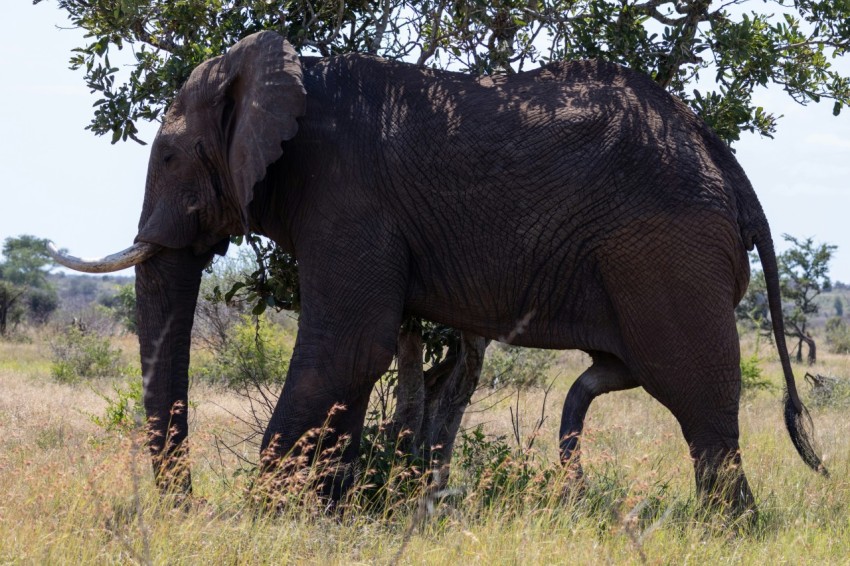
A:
(801, 429)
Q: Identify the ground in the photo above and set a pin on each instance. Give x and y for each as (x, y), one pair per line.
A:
(75, 493)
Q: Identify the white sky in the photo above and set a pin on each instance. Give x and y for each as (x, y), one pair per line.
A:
(59, 181)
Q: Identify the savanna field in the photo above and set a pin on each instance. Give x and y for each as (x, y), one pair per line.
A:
(77, 485)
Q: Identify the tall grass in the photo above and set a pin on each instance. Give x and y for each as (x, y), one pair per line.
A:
(74, 493)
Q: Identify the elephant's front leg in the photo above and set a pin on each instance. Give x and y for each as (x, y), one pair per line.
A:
(347, 337)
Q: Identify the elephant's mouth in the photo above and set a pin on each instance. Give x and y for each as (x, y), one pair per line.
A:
(137, 253)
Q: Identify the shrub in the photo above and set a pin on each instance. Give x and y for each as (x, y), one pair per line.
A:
(386, 476)
(518, 367)
(828, 390)
(257, 352)
(125, 412)
(838, 336)
(751, 375)
(122, 305)
(80, 354)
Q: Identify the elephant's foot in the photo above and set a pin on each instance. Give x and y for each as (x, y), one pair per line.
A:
(172, 470)
(173, 478)
(574, 484)
(317, 465)
(722, 486)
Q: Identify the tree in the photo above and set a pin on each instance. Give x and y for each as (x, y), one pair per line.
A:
(803, 275)
(838, 305)
(742, 45)
(22, 275)
(123, 306)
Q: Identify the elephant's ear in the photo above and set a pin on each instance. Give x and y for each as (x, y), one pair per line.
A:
(264, 96)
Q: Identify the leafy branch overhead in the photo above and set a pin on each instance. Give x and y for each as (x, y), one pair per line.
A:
(713, 55)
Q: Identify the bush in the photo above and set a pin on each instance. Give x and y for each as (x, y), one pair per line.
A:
(838, 336)
(257, 352)
(125, 412)
(751, 375)
(518, 367)
(122, 305)
(80, 354)
(828, 390)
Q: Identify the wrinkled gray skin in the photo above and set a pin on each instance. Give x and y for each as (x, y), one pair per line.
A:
(574, 206)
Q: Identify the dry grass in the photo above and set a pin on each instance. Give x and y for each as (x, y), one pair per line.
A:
(75, 494)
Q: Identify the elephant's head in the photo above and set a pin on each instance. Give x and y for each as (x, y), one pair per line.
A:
(217, 139)
(222, 131)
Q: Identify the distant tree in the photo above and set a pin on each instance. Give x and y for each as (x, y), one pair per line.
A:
(839, 307)
(838, 335)
(123, 306)
(803, 276)
(24, 271)
(41, 303)
(11, 310)
(83, 289)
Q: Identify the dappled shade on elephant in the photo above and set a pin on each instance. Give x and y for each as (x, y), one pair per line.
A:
(574, 206)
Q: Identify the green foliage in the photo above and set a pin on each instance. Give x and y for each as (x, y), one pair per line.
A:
(125, 412)
(274, 283)
(23, 282)
(387, 477)
(41, 304)
(804, 270)
(25, 261)
(78, 354)
(838, 305)
(803, 276)
(496, 471)
(792, 47)
(257, 353)
(517, 367)
(12, 309)
(751, 375)
(123, 306)
(838, 336)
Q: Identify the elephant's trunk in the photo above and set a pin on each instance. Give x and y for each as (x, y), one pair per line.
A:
(166, 294)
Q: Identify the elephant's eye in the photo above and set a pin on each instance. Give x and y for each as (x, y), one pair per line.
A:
(168, 158)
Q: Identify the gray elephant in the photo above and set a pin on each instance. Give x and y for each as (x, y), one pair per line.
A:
(575, 206)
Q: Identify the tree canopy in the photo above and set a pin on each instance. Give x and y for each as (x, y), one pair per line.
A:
(23, 281)
(713, 55)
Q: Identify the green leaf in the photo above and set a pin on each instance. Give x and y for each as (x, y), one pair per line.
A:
(233, 290)
(259, 308)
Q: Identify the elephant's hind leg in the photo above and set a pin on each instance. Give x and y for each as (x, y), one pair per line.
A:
(606, 374)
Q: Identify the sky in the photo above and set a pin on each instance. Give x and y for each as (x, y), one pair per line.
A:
(59, 181)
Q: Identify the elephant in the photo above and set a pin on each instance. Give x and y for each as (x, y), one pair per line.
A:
(575, 206)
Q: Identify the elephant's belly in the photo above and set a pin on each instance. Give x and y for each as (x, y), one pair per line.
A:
(557, 312)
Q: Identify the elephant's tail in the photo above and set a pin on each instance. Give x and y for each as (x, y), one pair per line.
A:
(797, 418)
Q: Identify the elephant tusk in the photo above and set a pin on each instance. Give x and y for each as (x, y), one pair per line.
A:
(137, 253)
